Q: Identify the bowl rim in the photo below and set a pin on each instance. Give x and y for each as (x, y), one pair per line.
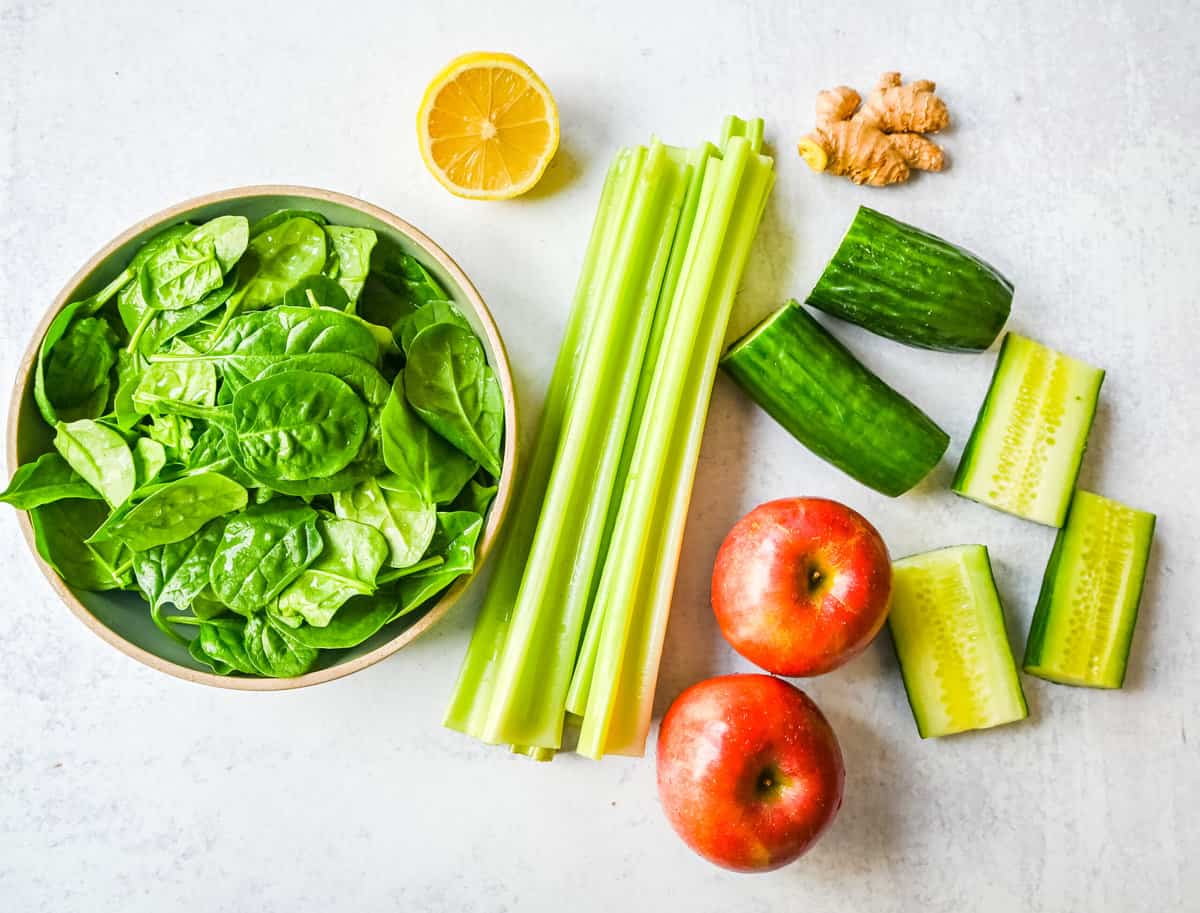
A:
(496, 513)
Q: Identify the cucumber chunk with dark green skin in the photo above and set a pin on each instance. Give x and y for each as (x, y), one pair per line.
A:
(1088, 606)
(1026, 448)
(908, 285)
(948, 629)
(811, 384)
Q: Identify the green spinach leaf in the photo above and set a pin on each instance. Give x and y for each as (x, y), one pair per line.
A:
(173, 511)
(129, 373)
(43, 394)
(362, 376)
(196, 652)
(352, 248)
(406, 521)
(352, 556)
(404, 275)
(174, 432)
(279, 216)
(448, 381)
(296, 426)
(276, 259)
(209, 453)
(60, 529)
(100, 455)
(273, 652)
(161, 327)
(80, 365)
(149, 458)
(181, 272)
(130, 303)
(177, 573)
(426, 316)
(47, 479)
(71, 378)
(419, 460)
(206, 605)
(396, 286)
(180, 275)
(317, 291)
(262, 550)
(457, 535)
(187, 381)
(356, 621)
(476, 497)
(228, 235)
(253, 342)
(221, 644)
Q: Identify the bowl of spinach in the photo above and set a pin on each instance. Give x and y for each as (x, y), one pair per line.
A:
(264, 438)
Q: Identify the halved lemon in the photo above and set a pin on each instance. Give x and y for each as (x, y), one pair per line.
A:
(487, 126)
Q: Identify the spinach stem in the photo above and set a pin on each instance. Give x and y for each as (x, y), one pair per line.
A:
(136, 336)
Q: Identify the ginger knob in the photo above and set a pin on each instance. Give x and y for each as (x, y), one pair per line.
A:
(879, 141)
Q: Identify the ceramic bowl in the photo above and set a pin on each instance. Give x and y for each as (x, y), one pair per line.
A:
(123, 618)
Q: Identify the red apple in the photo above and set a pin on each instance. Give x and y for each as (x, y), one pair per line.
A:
(749, 771)
(801, 585)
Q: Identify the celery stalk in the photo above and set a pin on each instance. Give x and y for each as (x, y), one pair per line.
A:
(698, 161)
(626, 561)
(599, 517)
(473, 692)
(754, 133)
(752, 130)
(538, 656)
(630, 394)
(534, 754)
(634, 698)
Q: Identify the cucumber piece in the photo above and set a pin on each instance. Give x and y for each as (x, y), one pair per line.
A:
(811, 384)
(1024, 453)
(1088, 605)
(913, 287)
(948, 629)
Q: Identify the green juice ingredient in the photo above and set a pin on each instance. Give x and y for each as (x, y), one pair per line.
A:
(1083, 625)
(947, 625)
(273, 472)
(812, 385)
(1024, 454)
(574, 620)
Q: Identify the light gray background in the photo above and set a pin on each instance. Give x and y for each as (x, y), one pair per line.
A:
(1076, 170)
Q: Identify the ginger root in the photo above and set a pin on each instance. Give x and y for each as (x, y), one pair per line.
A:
(878, 142)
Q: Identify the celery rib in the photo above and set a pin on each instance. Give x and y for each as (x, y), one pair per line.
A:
(698, 161)
(593, 546)
(626, 560)
(538, 657)
(633, 701)
(476, 682)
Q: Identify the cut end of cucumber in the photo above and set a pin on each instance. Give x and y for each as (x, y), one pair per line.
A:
(763, 327)
(1083, 625)
(948, 630)
(1025, 451)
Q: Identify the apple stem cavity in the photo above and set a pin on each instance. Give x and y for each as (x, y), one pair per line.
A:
(769, 783)
(815, 579)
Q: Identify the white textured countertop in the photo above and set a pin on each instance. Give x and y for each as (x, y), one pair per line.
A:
(1076, 171)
